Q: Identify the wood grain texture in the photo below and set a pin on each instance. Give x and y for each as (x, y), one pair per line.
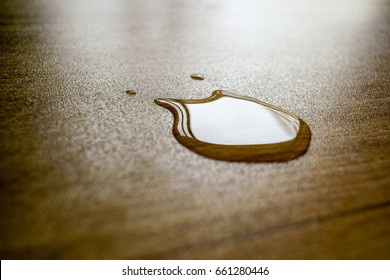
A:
(90, 172)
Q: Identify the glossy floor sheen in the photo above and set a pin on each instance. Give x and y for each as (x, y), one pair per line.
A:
(89, 171)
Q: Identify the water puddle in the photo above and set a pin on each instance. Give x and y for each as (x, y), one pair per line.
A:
(231, 127)
(197, 77)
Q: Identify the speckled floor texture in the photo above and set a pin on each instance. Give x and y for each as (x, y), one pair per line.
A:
(88, 171)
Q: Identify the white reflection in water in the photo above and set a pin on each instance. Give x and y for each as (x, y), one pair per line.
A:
(229, 119)
(233, 121)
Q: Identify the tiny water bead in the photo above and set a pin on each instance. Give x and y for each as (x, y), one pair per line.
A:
(131, 92)
(231, 127)
(197, 77)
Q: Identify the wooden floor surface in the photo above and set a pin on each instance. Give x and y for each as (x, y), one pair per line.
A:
(90, 172)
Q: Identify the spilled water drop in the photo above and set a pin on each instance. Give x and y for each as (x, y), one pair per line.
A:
(231, 127)
(197, 77)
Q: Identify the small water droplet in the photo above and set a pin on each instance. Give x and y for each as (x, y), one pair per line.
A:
(197, 77)
(231, 127)
(131, 92)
